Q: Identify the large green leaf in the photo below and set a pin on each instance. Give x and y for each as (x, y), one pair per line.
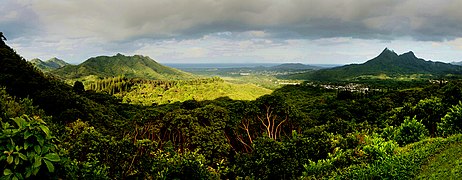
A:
(28, 171)
(27, 134)
(50, 166)
(37, 162)
(22, 156)
(7, 172)
(20, 122)
(40, 139)
(37, 149)
(45, 130)
(52, 157)
(16, 161)
(27, 145)
(9, 159)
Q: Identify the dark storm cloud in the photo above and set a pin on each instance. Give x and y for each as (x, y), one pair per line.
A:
(117, 20)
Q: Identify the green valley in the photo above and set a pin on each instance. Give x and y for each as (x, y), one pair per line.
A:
(129, 117)
(149, 92)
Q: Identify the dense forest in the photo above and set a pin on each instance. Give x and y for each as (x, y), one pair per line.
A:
(51, 130)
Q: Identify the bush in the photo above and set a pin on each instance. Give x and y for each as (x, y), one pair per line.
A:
(180, 165)
(27, 145)
(451, 123)
(410, 131)
(367, 149)
(406, 164)
(271, 159)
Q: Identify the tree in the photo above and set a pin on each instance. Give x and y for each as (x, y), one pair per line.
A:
(410, 131)
(430, 111)
(274, 112)
(451, 123)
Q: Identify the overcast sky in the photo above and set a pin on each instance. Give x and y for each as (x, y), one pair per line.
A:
(234, 31)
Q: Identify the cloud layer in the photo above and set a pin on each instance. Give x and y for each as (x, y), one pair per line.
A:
(124, 20)
(117, 24)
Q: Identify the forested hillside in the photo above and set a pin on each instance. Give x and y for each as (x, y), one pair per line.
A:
(48, 65)
(51, 130)
(387, 64)
(129, 66)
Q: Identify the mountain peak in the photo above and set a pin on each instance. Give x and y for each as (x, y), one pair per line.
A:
(409, 54)
(388, 53)
(135, 66)
(48, 65)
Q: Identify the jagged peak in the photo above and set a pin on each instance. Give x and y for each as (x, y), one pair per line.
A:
(387, 51)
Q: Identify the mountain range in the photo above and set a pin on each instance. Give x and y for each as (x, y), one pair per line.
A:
(386, 63)
(136, 66)
(48, 65)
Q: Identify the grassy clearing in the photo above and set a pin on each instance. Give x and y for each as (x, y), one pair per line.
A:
(147, 95)
(445, 165)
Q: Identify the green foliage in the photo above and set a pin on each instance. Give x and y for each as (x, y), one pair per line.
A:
(271, 159)
(78, 87)
(180, 165)
(410, 131)
(202, 129)
(29, 148)
(406, 164)
(451, 123)
(444, 165)
(430, 111)
(163, 92)
(352, 151)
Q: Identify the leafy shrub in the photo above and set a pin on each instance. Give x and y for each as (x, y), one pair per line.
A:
(365, 149)
(451, 123)
(388, 133)
(179, 165)
(85, 147)
(405, 164)
(27, 145)
(377, 148)
(271, 159)
(410, 131)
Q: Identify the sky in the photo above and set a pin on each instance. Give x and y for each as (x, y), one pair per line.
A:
(234, 31)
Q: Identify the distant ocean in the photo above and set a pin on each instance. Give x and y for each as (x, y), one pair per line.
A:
(234, 65)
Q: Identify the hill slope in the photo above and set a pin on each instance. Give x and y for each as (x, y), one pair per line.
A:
(387, 63)
(446, 164)
(22, 80)
(294, 66)
(130, 66)
(48, 65)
